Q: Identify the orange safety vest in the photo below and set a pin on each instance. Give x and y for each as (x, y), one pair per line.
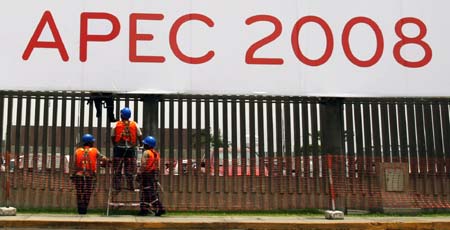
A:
(86, 160)
(126, 131)
(153, 160)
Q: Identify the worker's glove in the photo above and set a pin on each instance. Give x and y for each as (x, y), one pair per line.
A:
(139, 179)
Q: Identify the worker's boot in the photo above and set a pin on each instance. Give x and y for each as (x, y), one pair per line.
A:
(143, 212)
(130, 185)
(82, 211)
(160, 212)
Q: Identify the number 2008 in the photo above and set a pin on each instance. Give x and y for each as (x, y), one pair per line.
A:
(403, 40)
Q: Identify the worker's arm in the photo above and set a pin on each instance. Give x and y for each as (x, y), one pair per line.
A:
(139, 135)
(103, 160)
(144, 160)
(113, 136)
(101, 156)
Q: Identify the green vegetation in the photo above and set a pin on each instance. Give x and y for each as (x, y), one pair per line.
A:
(301, 212)
(423, 213)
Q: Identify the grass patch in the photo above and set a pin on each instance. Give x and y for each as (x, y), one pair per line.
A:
(302, 212)
(46, 210)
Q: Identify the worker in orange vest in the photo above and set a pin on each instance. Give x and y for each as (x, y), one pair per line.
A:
(149, 179)
(126, 136)
(84, 173)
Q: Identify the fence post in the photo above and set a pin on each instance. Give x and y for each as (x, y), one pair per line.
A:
(150, 118)
(332, 143)
(2, 180)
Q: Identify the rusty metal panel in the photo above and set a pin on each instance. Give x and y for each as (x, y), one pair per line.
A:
(9, 124)
(90, 128)
(216, 140)
(288, 143)
(430, 151)
(243, 142)
(162, 137)
(189, 145)
(18, 134)
(180, 144)
(367, 133)
(252, 146)
(437, 129)
(44, 163)
(2, 154)
(136, 110)
(127, 102)
(72, 131)
(278, 154)
(15, 136)
(261, 144)
(305, 145)
(26, 142)
(171, 143)
(270, 145)
(234, 143)
(412, 143)
(403, 136)
(315, 146)
(385, 157)
(226, 165)
(422, 154)
(2, 109)
(358, 133)
(81, 121)
(207, 144)
(297, 146)
(107, 153)
(446, 133)
(376, 132)
(118, 108)
(53, 142)
(349, 135)
(198, 149)
(36, 142)
(367, 158)
(393, 128)
(62, 139)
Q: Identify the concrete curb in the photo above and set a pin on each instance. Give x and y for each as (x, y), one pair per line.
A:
(119, 223)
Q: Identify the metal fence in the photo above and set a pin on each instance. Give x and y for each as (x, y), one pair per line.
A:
(232, 152)
(410, 131)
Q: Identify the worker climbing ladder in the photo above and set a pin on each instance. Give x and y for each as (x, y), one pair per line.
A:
(120, 198)
(126, 198)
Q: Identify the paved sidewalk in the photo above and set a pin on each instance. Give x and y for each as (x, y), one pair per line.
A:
(69, 221)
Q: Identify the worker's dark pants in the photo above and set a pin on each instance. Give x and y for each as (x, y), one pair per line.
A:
(124, 158)
(84, 186)
(98, 99)
(149, 191)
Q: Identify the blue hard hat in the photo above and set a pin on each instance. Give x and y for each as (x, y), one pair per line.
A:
(125, 113)
(150, 141)
(87, 138)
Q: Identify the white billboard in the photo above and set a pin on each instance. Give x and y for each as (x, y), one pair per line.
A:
(270, 47)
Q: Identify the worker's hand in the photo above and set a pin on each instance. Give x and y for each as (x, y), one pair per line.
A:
(139, 178)
(105, 162)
